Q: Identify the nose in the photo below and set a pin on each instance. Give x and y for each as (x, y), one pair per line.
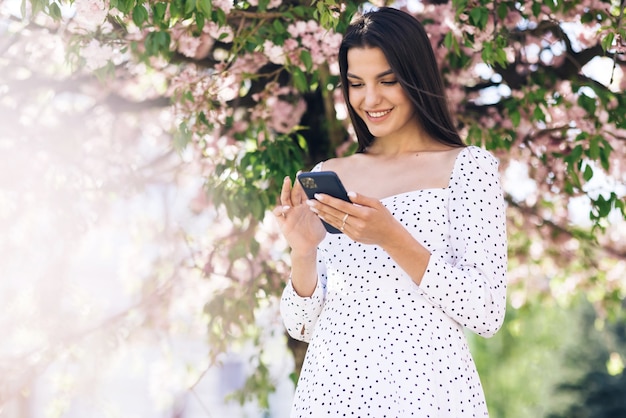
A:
(372, 96)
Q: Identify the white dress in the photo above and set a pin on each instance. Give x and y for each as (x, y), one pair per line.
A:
(382, 346)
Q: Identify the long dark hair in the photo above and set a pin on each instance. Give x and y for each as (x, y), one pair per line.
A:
(406, 46)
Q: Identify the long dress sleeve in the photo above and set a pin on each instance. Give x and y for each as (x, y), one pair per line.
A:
(471, 287)
(300, 313)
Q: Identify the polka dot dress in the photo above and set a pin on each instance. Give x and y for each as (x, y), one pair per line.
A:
(381, 346)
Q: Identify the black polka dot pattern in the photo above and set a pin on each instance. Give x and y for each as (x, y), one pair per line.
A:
(381, 346)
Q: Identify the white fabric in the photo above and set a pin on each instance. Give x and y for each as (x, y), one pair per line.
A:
(381, 346)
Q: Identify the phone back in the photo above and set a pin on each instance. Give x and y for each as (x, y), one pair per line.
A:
(326, 182)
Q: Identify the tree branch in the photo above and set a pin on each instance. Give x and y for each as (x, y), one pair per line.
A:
(560, 229)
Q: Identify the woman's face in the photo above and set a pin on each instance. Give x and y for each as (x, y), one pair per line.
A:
(376, 95)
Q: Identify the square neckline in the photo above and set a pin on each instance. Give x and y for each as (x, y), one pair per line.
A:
(426, 189)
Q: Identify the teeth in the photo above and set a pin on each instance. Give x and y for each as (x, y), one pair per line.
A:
(378, 114)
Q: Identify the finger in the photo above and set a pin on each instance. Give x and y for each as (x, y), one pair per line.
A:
(362, 200)
(298, 193)
(281, 211)
(334, 206)
(285, 192)
(323, 206)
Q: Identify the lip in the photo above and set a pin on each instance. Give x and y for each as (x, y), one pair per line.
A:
(377, 115)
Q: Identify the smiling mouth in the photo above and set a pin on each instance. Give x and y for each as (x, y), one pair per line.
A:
(378, 114)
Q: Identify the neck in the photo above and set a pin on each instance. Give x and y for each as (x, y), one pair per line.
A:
(398, 147)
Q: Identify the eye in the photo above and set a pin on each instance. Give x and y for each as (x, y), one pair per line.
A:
(356, 85)
(389, 82)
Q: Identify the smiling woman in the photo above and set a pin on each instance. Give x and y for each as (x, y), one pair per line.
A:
(376, 95)
(423, 253)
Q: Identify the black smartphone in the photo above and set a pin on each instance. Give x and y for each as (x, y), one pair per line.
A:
(326, 182)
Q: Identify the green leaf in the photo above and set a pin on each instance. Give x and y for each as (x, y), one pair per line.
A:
(607, 41)
(54, 11)
(220, 17)
(262, 5)
(126, 6)
(158, 43)
(205, 6)
(190, 6)
(503, 10)
(536, 8)
(302, 143)
(538, 114)
(37, 6)
(603, 206)
(451, 43)
(605, 154)
(299, 79)
(594, 148)
(587, 103)
(200, 21)
(515, 116)
(278, 26)
(479, 17)
(487, 54)
(176, 9)
(575, 155)
(305, 56)
(158, 12)
(181, 137)
(588, 173)
(140, 15)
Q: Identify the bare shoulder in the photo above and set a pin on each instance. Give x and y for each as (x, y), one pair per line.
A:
(341, 164)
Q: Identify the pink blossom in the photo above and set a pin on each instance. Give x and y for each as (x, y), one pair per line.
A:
(220, 33)
(296, 29)
(564, 87)
(90, 13)
(321, 44)
(96, 55)
(248, 63)
(455, 95)
(225, 5)
(274, 53)
(285, 116)
(512, 19)
(587, 35)
(188, 45)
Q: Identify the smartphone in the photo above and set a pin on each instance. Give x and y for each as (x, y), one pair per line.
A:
(326, 182)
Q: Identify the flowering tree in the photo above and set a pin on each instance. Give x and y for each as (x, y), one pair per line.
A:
(240, 94)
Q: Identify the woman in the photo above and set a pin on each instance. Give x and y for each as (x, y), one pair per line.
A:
(423, 252)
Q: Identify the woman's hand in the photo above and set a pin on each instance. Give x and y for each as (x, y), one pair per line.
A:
(365, 220)
(302, 228)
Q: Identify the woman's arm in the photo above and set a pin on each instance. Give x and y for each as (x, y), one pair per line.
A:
(472, 288)
(304, 295)
(300, 313)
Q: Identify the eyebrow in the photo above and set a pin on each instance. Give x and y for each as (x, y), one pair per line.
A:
(381, 75)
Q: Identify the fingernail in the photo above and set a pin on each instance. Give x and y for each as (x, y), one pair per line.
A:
(286, 207)
(351, 194)
(318, 196)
